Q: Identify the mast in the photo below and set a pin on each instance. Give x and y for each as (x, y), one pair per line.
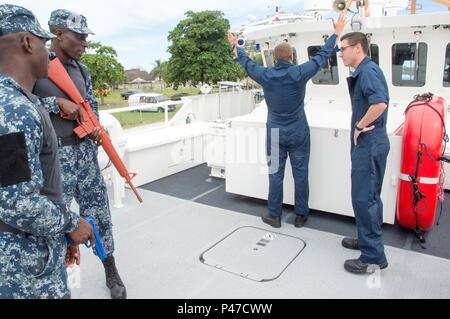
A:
(413, 6)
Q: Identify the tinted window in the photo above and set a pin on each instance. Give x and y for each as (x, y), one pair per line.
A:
(147, 99)
(447, 67)
(295, 57)
(409, 66)
(375, 53)
(269, 55)
(328, 74)
(162, 98)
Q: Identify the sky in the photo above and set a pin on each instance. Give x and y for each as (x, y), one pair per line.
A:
(138, 29)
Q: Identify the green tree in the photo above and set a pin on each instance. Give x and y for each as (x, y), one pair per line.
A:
(200, 50)
(101, 60)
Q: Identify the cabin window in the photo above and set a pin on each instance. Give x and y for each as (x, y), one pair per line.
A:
(269, 56)
(327, 75)
(375, 53)
(295, 57)
(409, 67)
(447, 67)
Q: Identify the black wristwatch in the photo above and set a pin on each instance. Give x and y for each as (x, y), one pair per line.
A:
(358, 128)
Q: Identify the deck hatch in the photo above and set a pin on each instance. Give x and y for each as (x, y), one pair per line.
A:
(254, 253)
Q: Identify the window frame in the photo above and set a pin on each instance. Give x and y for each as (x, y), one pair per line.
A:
(445, 83)
(372, 45)
(315, 78)
(416, 81)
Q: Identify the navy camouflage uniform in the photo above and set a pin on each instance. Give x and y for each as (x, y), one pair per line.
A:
(33, 217)
(81, 175)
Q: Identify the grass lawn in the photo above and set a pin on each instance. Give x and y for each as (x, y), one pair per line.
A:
(133, 119)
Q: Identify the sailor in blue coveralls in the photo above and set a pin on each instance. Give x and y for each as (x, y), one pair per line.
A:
(287, 126)
(369, 152)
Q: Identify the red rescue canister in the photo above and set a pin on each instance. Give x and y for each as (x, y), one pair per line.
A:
(420, 174)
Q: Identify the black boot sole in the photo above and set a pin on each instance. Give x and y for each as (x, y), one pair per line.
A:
(364, 271)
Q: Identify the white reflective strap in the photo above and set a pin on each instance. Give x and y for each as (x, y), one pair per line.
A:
(429, 180)
(405, 178)
(421, 180)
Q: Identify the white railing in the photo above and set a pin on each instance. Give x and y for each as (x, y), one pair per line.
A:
(213, 107)
(203, 109)
(144, 107)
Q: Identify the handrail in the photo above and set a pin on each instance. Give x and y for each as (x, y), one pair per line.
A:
(146, 106)
(143, 106)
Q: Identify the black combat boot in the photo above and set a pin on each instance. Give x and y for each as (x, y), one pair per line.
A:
(113, 280)
(270, 220)
(350, 243)
(356, 266)
(300, 221)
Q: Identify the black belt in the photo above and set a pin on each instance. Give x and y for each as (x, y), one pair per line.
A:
(70, 141)
(5, 228)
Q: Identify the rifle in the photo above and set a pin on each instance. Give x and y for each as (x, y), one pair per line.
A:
(59, 76)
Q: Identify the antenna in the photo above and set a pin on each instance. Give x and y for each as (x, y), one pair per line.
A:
(275, 4)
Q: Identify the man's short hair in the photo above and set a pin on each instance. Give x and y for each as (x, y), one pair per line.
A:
(355, 38)
(283, 52)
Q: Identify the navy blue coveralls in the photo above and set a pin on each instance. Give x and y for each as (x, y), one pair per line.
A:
(368, 87)
(287, 126)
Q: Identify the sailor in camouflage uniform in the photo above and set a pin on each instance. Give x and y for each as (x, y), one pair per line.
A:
(33, 218)
(81, 174)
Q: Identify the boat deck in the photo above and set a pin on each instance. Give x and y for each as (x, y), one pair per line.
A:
(159, 244)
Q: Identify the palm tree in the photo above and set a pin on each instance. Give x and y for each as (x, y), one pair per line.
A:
(158, 70)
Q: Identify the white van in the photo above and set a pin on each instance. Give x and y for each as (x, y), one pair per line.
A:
(153, 102)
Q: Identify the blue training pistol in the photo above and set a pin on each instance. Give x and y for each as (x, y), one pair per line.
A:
(99, 250)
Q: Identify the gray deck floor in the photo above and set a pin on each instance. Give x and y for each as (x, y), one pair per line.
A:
(196, 185)
(158, 245)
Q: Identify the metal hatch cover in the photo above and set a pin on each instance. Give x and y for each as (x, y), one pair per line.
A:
(253, 253)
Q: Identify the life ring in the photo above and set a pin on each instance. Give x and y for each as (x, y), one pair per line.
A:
(422, 151)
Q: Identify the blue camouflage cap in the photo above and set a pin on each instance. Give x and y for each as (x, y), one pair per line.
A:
(71, 20)
(14, 19)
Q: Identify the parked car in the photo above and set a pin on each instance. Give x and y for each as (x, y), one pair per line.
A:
(178, 96)
(127, 94)
(146, 99)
